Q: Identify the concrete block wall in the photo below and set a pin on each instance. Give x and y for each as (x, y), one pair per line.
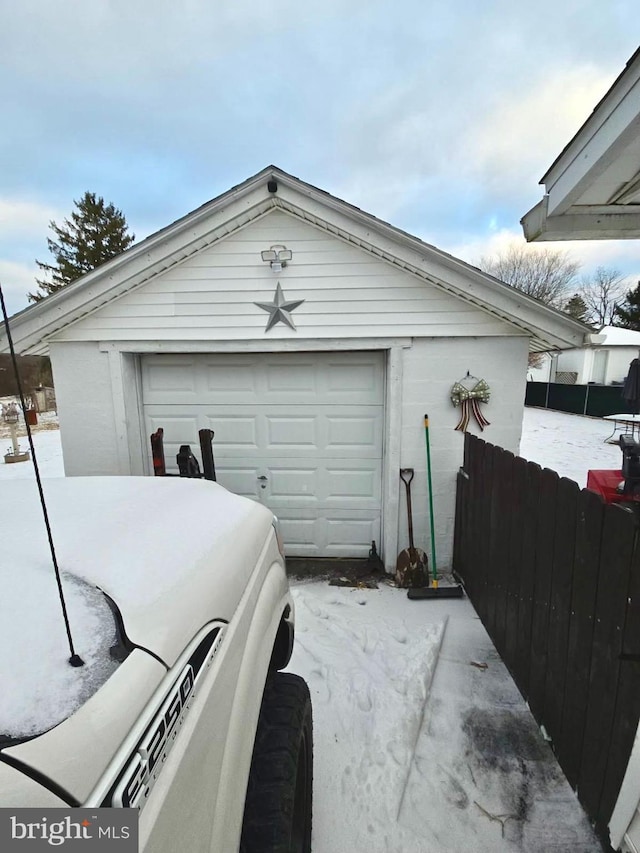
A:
(85, 409)
(431, 367)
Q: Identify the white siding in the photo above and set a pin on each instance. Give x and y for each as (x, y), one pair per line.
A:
(599, 366)
(347, 291)
(619, 360)
(576, 360)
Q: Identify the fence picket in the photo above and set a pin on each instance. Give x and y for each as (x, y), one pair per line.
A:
(618, 534)
(460, 523)
(542, 591)
(464, 568)
(516, 517)
(505, 504)
(495, 567)
(483, 485)
(528, 574)
(559, 613)
(588, 539)
(627, 709)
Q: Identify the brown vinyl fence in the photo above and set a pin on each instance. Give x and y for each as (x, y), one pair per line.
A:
(554, 575)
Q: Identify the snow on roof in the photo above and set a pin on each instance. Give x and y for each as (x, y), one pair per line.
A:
(172, 553)
(615, 336)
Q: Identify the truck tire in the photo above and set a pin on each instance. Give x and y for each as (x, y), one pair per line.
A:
(277, 815)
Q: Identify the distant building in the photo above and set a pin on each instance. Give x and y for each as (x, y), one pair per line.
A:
(604, 360)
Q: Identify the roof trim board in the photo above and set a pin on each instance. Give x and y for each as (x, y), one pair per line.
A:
(461, 287)
(601, 163)
(589, 224)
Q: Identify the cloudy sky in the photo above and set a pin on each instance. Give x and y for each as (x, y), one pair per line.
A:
(439, 116)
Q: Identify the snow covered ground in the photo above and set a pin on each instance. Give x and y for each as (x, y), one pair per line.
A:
(48, 451)
(568, 444)
(419, 747)
(423, 743)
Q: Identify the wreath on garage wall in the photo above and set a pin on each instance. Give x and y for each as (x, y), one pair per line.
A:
(469, 393)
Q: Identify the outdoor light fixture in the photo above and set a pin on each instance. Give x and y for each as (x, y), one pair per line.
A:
(277, 256)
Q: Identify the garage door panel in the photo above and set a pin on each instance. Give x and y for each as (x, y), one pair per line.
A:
(326, 482)
(299, 531)
(329, 536)
(348, 377)
(292, 485)
(352, 532)
(355, 433)
(230, 380)
(291, 431)
(298, 379)
(353, 485)
(175, 428)
(170, 378)
(240, 427)
(232, 432)
(240, 480)
(310, 424)
(292, 379)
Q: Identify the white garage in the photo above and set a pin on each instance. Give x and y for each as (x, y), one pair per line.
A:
(301, 432)
(312, 338)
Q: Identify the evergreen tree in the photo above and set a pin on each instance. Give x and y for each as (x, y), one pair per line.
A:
(95, 233)
(627, 314)
(576, 307)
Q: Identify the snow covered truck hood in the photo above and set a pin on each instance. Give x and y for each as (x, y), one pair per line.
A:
(172, 553)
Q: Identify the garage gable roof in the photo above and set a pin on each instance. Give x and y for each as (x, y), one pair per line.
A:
(592, 190)
(274, 189)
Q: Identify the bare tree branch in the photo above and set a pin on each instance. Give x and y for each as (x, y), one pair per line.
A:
(601, 292)
(545, 274)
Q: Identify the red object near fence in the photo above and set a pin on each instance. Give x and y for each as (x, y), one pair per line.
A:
(606, 483)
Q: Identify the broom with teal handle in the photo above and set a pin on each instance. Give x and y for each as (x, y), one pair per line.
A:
(433, 591)
(434, 570)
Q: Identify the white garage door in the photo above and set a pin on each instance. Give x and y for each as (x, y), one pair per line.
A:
(300, 432)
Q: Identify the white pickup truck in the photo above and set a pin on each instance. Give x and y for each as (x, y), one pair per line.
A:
(180, 609)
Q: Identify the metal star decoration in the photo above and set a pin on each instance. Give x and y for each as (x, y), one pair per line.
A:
(279, 309)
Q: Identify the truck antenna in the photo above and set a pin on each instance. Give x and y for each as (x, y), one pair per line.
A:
(75, 659)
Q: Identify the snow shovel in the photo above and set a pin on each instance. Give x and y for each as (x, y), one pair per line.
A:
(433, 591)
(411, 566)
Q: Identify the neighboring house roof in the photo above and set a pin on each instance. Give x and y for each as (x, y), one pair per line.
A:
(610, 336)
(274, 189)
(592, 190)
(617, 337)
